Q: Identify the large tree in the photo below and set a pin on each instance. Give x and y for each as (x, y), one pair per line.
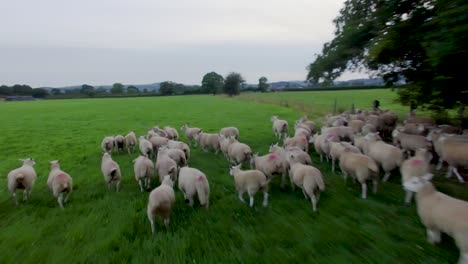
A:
(232, 83)
(263, 84)
(132, 89)
(167, 88)
(212, 83)
(420, 41)
(88, 90)
(117, 88)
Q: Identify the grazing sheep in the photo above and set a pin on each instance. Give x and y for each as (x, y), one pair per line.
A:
(171, 132)
(207, 140)
(22, 178)
(166, 166)
(157, 141)
(59, 182)
(193, 181)
(107, 144)
(308, 178)
(238, 153)
(144, 171)
(269, 164)
(387, 156)
(280, 127)
(230, 132)
(119, 143)
(250, 181)
(111, 171)
(336, 148)
(190, 132)
(172, 144)
(360, 167)
(146, 147)
(176, 154)
(297, 141)
(161, 202)
(409, 143)
(130, 141)
(416, 166)
(441, 213)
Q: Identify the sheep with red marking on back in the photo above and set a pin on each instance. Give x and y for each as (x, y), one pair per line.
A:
(192, 181)
(269, 164)
(417, 166)
(59, 182)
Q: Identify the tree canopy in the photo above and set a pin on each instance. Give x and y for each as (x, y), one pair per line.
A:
(212, 83)
(420, 41)
(117, 88)
(232, 83)
(263, 84)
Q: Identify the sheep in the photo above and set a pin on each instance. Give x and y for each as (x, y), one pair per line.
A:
(360, 167)
(157, 141)
(297, 141)
(161, 202)
(449, 129)
(230, 132)
(171, 132)
(23, 177)
(119, 143)
(409, 143)
(165, 166)
(308, 178)
(190, 132)
(441, 213)
(302, 130)
(280, 127)
(173, 144)
(176, 154)
(356, 125)
(368, 128)
(455, 153)
(336, 148)
(269, 164)
(387, 156)
(224, 143)
(144, 171)
(59, 182)
(238, 153)
(334, 121)
(146, 147)
(111, 171)
(342, 132)
(310, 124)
(160, 132)
(412, 128)
(207, 140)
(318, 141)
(435, 136)
(250, 181)
(417, 166)
(107, 144)
(325, 144)
(192, 181)
(130, 141)
(301, 156)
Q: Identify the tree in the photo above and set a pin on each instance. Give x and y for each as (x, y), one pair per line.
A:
(167, 88)
(132, 90)
(55, 91)
(263, 84)
(233, 83)
(101, 90)
(88, 90)
(39, 93)
(5, 90)
(212, 83)
(420, 41)
(22, 89)
(117, 88)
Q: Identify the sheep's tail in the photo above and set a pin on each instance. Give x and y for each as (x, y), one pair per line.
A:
(285, 128)
(373, 166)
(19, 177)
(202, 190)
(320, 183)
(173, 172)
(64, 186)
(113, 173)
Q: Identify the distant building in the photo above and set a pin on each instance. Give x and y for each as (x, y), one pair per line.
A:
(19, 98)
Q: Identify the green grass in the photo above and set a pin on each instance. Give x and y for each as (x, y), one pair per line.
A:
(99, 226)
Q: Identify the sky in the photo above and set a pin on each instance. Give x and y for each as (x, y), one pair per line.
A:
(58, 43)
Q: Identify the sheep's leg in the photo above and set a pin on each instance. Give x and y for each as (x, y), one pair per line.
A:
(449, 172)
(67, 197)
(265, 198)
(314, 202)
(60, 200)
(251, 200)
(140, 182)
(305, 194)
(439, 164)
(333, 165)
(14, 199)
(364, 190)
(240, 196)
(25, 195)
(374, 187)
(117, 186)
(408, 197)
(151, 220)
(190, 201)
(386, 176)
(128, 150)
(460, 178)
(345, 175)
(433, 236)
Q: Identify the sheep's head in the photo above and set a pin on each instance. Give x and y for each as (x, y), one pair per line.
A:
(234, 169)
(273, 118)
(183, 127)
(395, 133)
(415, 184)
(106, 155)
(28, 161)
(54, 164)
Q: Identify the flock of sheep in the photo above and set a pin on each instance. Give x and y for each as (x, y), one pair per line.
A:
(354, 140)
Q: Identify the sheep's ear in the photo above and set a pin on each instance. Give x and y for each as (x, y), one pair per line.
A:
(428, 176)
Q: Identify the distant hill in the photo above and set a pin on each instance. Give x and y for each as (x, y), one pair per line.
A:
(141, 87)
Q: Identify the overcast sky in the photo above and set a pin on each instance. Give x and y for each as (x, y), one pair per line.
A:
(59, 43)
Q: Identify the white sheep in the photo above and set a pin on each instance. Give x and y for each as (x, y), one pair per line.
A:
(280, 127)
(23, 177)
(107, 144)
(192, 181)
(161, 202)
(310, 124)
(409, 143)
(165, 166)
(119, 143)
(356, 125)
(269, 164)
(173, 144)
(308, 178)
(230, 132)
(387, 156)
(171, 132)
(146, 148)
(250, 181)
(59, 182)
(190, 132)
(238, 153)
(441, 213)
(336, 148)
(144, 171)
(360, 167)
(130, 141)
(417, 166)
(224, 143)
(301, 156)
(111, 171)
(207, 140)
(297, 141)
(176, 154)
(157, 141)
(455, 153)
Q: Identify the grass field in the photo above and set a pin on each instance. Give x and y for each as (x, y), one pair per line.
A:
(99, 226)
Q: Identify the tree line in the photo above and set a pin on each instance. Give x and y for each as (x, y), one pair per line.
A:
(212, 83)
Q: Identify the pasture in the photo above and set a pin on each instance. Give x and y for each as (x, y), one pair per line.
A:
(101, 226)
